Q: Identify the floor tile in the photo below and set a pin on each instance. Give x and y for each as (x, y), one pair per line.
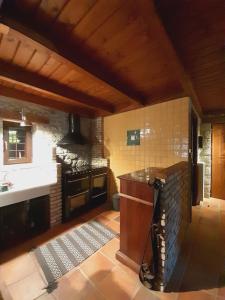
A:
(197, 295)
(117, 285)
(76, 287)
(115, 226)
(102, 219)
(221, 292)
(110, 249)
(97, 267)
(45, 296)
(28, 288)
(110, 214)
(144, 294)
(17, 269)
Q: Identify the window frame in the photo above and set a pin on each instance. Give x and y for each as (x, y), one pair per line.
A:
(28, 145)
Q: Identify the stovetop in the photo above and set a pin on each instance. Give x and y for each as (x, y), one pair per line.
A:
(88, 169)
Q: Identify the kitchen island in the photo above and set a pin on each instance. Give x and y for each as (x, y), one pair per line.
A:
(138, 212)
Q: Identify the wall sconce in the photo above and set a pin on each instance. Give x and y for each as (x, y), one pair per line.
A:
(23, 121)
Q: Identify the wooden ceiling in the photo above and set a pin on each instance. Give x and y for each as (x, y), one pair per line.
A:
(99, 57)
(197, 30)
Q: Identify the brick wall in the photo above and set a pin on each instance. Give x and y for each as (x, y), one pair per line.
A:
(97, 137)
(205, 156)
(56, 200)
(175, 216)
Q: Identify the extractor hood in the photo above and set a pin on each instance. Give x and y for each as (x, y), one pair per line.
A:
(74, 135)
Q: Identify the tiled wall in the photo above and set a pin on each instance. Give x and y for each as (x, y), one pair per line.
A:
(164, 137)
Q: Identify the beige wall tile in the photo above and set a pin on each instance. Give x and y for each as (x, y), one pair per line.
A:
(164, 137)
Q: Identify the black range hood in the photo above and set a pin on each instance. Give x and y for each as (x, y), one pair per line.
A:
(74, 135)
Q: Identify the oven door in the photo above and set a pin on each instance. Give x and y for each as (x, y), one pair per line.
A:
(99, 185)
(75, 203)
(76, 186)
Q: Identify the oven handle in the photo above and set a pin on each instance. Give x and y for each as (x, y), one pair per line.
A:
(71, 181)
(99, 175)
(75, 195)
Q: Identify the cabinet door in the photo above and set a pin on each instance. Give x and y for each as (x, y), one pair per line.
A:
(14, 219)
(38, 216)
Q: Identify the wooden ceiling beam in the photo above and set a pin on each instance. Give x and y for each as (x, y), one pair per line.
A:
(154, 26)
(16, 116)
(76, 59)
(12, 73)
(51, 103)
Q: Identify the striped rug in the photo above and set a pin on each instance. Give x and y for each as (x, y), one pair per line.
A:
(62, 254)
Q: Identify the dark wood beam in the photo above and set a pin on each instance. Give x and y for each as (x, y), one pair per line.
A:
(16, 116)
(55, 104)
(12, 73)
(214, 117)
(154, 27)
(77, 59)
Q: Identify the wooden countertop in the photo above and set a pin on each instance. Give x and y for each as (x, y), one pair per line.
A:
(148, 175)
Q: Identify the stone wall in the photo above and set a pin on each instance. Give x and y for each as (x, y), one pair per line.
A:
(205, 156)
(175, 208)
(45, 137)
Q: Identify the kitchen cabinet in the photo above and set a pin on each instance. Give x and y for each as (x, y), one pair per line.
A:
(23, 220)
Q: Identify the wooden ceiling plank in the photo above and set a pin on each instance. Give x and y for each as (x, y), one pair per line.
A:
(23, 55)
(68, 57)
(8, 47)
(50, 67)
(71, 15)
(95, 18)
(49, 10)
(154, 27)
(37, 61)
(17, 74)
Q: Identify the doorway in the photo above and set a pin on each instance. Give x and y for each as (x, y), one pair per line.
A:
(193, 156)
(218, 161)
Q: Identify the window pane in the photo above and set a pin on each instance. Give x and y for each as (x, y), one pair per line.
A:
(12, 154)
(17, 142)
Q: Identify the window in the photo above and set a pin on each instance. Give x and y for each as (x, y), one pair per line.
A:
(17, 143)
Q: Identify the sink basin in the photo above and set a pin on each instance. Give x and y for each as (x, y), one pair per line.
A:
(22, 192)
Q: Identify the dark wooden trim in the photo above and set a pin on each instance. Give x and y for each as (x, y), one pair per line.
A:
(16, 74)
(28, 148)
(135, 199)
(77, 59)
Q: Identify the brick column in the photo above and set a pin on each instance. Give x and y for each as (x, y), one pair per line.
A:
(175, 218)
(56, 200)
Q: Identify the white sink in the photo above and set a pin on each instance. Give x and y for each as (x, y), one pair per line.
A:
(22, 192)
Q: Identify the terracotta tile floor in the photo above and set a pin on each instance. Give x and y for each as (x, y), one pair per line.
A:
(200, 273)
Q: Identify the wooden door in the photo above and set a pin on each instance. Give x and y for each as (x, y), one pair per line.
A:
(218, 161)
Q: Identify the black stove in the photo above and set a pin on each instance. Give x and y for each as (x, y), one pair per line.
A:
(83, 187)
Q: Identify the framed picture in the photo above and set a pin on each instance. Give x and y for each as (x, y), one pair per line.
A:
(133, 137)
